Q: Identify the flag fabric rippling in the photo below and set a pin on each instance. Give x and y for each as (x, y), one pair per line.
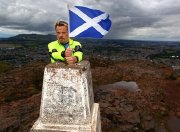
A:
(86, 22)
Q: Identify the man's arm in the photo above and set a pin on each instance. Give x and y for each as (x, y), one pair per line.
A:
(54, 54)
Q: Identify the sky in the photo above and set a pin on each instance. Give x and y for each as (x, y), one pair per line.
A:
(131, 19)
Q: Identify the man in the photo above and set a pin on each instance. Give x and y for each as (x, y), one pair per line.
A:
(64, 49)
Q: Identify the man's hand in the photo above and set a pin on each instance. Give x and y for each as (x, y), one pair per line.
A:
(68, 52)
(71, 60)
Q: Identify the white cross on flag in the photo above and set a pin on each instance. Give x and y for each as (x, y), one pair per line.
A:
(86, 22)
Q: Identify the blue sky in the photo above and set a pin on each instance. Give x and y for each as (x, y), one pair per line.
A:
(131, 19)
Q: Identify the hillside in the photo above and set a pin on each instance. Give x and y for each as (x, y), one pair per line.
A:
(148, 109)
(32, 37)
(29, 37)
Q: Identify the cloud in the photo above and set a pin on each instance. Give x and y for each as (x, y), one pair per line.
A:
(131, 19)
(30, 15)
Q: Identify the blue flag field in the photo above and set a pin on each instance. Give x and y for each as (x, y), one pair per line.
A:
(86, 22)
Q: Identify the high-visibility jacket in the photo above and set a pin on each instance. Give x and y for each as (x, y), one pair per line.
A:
(57, 50)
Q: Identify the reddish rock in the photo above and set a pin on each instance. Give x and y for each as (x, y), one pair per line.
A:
(119, 108)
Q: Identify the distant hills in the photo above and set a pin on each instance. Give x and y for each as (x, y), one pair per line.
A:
(28, 39)
(32, 37)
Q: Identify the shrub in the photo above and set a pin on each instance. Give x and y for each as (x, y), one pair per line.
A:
(4, 67)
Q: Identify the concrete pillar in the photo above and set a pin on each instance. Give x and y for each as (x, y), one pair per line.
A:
(67, 102)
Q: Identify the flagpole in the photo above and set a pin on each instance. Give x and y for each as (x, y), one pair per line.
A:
(68, 19)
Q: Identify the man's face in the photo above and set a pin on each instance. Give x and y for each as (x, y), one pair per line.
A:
(62, 34)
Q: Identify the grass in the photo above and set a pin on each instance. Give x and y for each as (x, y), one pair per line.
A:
(4, 67)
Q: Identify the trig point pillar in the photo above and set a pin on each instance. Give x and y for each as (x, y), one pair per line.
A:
(67, 103)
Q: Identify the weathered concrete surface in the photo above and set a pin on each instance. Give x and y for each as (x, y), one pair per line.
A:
(67, 102)
(93, 126)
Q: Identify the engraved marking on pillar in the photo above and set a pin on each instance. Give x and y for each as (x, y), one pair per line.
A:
(65, 96)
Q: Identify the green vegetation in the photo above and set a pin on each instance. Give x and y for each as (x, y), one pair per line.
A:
(166, 54)
(10, 45)
(4, 67)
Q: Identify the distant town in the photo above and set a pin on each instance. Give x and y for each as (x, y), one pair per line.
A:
(26, 48)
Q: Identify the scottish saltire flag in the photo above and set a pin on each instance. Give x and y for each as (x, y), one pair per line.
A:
(86, 22)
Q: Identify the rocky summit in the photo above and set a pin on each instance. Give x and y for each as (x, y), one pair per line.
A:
(149, 108)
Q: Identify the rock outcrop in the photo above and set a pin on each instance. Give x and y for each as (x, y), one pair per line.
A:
(121, 110)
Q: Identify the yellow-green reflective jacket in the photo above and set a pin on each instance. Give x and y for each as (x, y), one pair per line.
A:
(57, 50)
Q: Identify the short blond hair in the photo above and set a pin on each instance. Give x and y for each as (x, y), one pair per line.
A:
(61, 23)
